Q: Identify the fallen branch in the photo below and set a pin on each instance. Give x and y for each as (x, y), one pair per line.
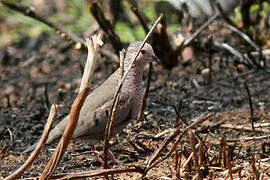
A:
(94, 173)
(243, 128)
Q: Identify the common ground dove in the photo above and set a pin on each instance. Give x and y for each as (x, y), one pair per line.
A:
(95, 111)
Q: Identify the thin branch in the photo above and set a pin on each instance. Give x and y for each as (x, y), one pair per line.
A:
(235, 52)
(91, 60)
(94, 173)
(146, 91)
(186, 42)
(142, 20)
(106, 139)
(250, 106)
(39, 146)
(109, 123)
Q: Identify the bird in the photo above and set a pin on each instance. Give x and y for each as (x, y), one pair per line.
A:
(95, 111)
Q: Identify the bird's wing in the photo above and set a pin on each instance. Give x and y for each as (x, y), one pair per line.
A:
(94, 128)
(94, 100)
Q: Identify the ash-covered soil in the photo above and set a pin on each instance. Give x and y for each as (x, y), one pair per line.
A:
(38, 72)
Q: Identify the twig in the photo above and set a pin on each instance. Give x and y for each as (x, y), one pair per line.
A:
(186, 42)
(256, 138)
(40, 144)
(109, 123)
(245, 37)
(56, 26)
(94, 173)
(250, 107)
(75, 110)
(93, 46)
(235, 52)
(142, 20)
(243, 128)
(107, 134)
(10, 134)
(146, 91)
(223, 15)
(186, 122)
(177, 112)
(193, 142)
(47, 101)
(3, 150)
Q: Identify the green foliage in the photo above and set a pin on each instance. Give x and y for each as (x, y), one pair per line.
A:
(124, 31)
(76, 18)
(149, 10)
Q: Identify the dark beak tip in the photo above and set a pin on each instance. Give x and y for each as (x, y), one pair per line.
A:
(156, 59)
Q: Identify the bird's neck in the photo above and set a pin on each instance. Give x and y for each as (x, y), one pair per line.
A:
(133, 81)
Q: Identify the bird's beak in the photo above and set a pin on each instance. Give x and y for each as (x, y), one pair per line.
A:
(155, 59)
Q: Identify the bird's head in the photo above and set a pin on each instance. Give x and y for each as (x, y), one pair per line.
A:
(146, 54)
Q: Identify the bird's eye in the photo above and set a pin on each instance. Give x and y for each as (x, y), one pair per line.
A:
(143, 51)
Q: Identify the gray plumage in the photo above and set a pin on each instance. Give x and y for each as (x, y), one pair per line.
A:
(95, 111)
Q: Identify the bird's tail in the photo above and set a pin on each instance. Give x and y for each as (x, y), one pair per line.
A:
(55, 134)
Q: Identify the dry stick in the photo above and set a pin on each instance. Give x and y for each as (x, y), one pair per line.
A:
(146, 91)
(250, 107)
(243, 128)
(238, 31)
(94, 44)
(3, 150)
(94, 173)
(40, 144)
(177, 112)
(151, 161)
(113, 111)
(142, 20)
(110, 120)
(235, 52)
(47, 101)
(75, 110)
(185, 121)
(195, 34)
(193, 142)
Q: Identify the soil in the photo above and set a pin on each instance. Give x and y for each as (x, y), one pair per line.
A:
(37, 72)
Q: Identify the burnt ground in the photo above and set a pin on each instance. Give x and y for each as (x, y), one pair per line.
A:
(48, 65)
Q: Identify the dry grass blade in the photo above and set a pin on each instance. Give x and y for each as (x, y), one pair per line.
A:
(40, 144)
